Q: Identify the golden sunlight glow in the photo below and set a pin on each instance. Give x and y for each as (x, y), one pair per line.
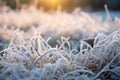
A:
(54, 4)
(51, 3)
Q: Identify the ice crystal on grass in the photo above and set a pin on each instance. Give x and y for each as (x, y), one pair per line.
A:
(35, 59)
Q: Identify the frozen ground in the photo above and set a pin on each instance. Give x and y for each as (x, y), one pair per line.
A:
(28, 53)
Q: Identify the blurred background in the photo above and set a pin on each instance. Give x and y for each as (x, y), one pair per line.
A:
(62, 4)
(78, 19)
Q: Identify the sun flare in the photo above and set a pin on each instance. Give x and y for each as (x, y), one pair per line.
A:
(55, 4)
(52, 3)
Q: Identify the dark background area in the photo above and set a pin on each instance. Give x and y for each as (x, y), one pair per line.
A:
(65, 4)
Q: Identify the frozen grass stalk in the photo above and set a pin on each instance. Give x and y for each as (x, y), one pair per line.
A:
(30, 57)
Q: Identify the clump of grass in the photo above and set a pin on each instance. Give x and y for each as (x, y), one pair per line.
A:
(35, 59)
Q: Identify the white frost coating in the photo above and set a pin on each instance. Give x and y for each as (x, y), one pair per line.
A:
(29, 56)
(21, 62)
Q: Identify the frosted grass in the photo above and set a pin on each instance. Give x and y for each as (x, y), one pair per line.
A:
(33, 52)
(40, 61)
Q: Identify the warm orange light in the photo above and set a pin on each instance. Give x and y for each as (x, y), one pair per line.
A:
(51, 4)
(54, 4)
